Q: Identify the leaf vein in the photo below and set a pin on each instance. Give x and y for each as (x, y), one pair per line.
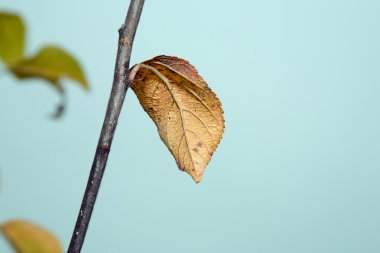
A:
(170, 88)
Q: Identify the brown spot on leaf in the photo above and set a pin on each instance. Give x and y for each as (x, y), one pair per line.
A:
(181, 166)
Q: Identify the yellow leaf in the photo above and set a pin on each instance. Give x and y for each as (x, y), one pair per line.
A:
(188, 115)
(12, 33)
(26, 237)
(51, 64)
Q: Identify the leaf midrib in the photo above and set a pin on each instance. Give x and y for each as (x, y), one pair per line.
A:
(194, 94)
(170, 88)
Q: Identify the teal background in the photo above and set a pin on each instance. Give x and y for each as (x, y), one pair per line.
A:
(297, 170)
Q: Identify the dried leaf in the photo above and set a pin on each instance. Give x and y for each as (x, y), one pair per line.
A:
(51, 64)
(188, 115)
(12, 36)
(26, 237)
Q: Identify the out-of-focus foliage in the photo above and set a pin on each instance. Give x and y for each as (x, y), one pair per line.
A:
(26, 237)
(51, 63)
(12, 37)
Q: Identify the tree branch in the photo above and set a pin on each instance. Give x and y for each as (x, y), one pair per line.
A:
(119, 89)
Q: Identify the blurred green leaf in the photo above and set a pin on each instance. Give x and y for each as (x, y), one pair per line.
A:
(12, 36)
(26, 237)
(51, 63)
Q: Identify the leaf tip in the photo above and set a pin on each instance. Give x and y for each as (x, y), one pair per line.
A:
(197, 178)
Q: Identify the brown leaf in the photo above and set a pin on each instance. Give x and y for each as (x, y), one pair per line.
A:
(188, 115)
(26, 237)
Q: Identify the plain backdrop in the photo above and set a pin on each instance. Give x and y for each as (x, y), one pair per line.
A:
(297, 170)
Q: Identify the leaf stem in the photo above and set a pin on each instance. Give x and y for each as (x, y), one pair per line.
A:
(119, 89)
